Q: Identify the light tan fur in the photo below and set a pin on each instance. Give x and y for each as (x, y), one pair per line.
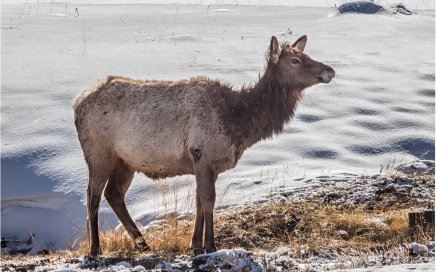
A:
(197, 126)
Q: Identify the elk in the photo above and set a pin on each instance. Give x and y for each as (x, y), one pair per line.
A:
(197, 126)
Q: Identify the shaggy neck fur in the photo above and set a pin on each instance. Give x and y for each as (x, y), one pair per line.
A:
(264, 109)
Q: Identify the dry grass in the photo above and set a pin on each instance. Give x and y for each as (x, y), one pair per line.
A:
(170, 236)
(305, 228)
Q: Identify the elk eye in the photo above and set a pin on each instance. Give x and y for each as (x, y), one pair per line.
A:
(295, 61)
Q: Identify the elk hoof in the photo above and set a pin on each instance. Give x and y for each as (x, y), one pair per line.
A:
(95, 251)
(198, 251)
(141, 245)
(197, 261)
(92, 262)
(210, 249)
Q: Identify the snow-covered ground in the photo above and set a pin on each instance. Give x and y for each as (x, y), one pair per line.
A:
(223, 260)
(377, 113)
(344, 191)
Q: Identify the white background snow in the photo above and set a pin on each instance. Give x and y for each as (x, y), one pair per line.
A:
(378, 110)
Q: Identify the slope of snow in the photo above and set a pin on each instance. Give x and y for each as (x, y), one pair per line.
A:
(376, 114)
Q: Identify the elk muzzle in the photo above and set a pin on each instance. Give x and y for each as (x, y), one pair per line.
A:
(326, 75)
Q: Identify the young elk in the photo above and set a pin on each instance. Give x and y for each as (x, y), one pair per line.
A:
(197, 126)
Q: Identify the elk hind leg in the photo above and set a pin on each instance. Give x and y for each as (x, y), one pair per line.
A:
(97, 181)
(119, 182)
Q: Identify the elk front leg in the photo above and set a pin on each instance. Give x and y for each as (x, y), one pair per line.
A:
(205, 177)
(197, 237)
(208, 207)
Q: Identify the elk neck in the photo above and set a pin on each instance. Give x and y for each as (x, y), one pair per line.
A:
(263, 110)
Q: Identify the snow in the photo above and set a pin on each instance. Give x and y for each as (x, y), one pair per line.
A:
(376, 115)
(232, 260)
(397, 268)
(138, 268)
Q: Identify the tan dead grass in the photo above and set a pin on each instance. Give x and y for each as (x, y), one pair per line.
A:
(309, 226)
(170, 236)
(302, 227)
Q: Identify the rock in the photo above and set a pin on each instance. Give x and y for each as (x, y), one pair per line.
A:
(400, 8)
(418, 167)
(360, 7)
(343, 234)
(147, 263)
(417, 249)
(283, 200)
(431, 249)
(124, 264)
(405, 181)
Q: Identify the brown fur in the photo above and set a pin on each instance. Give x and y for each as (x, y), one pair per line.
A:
(197, 126)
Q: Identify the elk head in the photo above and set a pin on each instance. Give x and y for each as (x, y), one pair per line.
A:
(294, 69)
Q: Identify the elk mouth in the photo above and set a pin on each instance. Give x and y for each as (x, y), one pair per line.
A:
(324, 80)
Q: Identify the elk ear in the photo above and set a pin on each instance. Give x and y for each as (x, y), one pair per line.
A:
(300, 43)
(274, 50)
